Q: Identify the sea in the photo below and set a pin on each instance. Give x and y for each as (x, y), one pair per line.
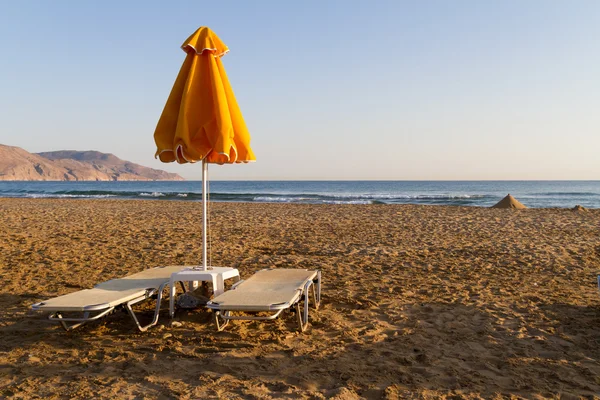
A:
(534, 194)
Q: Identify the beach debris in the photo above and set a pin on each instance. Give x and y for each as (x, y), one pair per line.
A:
(509, 202)
(190, 300)
(579, 208)
(176, 324)
(167, 335)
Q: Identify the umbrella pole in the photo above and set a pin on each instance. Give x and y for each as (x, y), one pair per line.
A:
(204, 214)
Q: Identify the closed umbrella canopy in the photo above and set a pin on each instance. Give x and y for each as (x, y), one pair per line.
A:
(202, 120)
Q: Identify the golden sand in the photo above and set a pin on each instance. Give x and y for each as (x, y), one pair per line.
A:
(509, 202)
(418, 301)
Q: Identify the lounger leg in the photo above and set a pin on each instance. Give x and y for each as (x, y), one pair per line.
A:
(73, 326)
(316, 294)
(156, 312)
(220, 326)
(317, 291)
(306, 297)
(58, 317)
(303, 317)
(299, 317)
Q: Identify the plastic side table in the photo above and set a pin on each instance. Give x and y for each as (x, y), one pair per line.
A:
(216, 275)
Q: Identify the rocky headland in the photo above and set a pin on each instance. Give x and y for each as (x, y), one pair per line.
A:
(17, 164)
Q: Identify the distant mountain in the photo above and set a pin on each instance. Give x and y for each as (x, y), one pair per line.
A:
(17, 164)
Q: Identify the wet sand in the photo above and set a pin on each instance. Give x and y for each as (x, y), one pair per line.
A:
(418, 302)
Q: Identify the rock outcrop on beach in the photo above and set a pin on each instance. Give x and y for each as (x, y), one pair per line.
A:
(17, 164)
(509, 202)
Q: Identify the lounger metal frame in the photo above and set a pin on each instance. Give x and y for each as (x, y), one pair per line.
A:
(222, 317)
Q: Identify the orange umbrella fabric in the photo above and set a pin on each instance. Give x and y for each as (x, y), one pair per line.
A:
(202, 120)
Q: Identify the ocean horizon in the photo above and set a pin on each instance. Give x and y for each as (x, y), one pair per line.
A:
(534, 194)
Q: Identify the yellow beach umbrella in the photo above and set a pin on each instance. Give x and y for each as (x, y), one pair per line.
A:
(202, 120)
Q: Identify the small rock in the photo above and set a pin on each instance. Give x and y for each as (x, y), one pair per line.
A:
(34, 359)
(212, 374)
(167, 335)
(176, 324)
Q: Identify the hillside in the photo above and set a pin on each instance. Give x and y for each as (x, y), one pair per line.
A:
(17, 164)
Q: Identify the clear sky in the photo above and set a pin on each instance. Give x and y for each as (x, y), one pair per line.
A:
(329, 89)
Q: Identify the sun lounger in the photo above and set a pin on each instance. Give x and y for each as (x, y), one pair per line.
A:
(88, 305)
(268, 291)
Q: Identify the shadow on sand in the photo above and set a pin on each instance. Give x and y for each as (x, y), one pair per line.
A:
(442, 348)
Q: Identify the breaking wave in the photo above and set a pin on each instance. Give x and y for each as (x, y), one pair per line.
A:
(306, 198)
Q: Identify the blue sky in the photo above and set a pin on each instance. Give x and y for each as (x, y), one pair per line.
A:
(329, 89)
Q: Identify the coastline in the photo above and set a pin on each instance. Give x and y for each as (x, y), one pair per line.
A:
(417, 300)
(533, 194)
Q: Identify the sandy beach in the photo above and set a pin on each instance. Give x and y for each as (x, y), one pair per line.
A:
(418, 302)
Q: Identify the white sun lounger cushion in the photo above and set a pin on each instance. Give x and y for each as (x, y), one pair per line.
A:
(110, 293)
(89, 300)
(267, 290)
